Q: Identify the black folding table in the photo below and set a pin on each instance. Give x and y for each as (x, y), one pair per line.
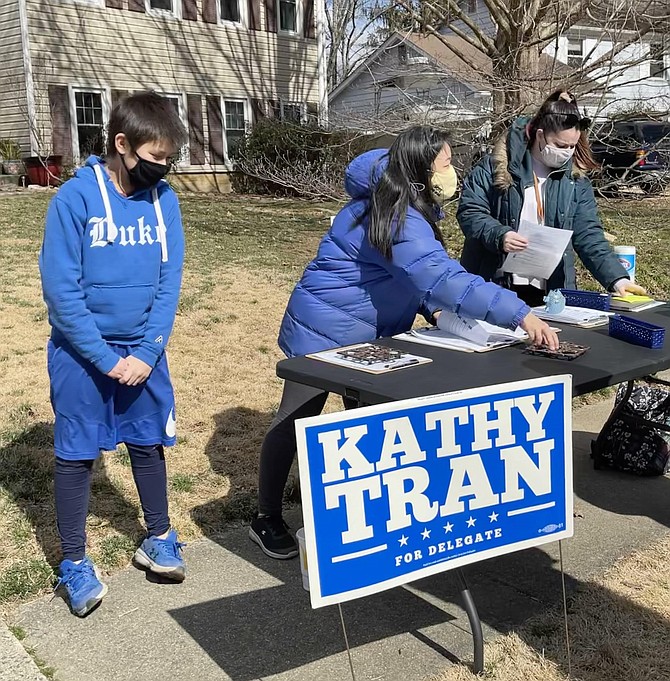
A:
(608, 362)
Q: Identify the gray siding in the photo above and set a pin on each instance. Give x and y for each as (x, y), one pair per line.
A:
(481, 17)
(392, 87)
(13, 104)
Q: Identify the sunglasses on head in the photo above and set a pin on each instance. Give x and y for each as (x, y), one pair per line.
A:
(575, 121)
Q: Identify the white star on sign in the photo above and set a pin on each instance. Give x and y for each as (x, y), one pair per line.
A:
(493, 517)
(471, 522)
(426, 533)
(448, 528)
(403, 540)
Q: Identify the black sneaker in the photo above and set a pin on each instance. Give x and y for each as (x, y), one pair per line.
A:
(271, 534)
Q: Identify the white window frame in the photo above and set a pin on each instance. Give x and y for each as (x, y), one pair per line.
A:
(664, 73)
(174, 13)
(185, 157)
(93, 3)
(298, 18)
(292, 102)
(247, 123)
(574, 56)
(581, 47)
(106, 99)
(242, 6)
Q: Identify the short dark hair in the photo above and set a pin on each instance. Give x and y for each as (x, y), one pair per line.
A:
(145, 117)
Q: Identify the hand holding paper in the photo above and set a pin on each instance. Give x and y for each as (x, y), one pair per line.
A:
(514, 242)
(540, 258)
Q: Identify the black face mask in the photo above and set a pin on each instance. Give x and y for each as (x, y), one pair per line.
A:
(145, 174)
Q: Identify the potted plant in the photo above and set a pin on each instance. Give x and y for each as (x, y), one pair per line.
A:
(10, 151)
(44, 171)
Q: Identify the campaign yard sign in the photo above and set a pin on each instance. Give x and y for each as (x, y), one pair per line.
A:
(395, 492)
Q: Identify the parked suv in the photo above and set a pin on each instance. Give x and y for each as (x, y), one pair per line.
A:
(633, 153)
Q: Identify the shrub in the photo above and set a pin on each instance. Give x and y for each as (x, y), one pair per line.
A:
(286, 159)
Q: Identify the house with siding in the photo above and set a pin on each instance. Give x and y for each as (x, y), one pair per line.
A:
(418, 78)
(414, 78)
(224, 64)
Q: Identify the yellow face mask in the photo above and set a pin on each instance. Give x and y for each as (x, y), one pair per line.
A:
(444, 184)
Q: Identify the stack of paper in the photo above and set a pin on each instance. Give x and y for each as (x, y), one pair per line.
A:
(579, 316)
(461, 333)
(633, 303)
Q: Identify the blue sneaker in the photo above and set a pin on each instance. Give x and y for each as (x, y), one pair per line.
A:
(162, 556)
(82, 585)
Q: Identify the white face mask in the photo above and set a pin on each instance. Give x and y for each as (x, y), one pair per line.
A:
(555, 157)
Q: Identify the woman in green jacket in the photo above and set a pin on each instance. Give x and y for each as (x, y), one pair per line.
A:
(538, 173)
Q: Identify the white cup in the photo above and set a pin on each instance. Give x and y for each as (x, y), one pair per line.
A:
(627, 258)
(300, 536)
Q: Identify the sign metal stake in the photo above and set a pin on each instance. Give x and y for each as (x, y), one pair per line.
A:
(346, 643)
(565, 611)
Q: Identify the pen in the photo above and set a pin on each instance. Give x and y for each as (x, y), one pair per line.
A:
(404, 364)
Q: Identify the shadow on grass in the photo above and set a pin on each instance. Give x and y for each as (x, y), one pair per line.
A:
(613, 638)
(26, 476)
(232, 451)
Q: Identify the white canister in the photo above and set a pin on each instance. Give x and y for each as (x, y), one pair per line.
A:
(626, 255)
(300, 536)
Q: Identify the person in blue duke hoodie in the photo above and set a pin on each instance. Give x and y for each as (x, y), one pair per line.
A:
(382, 262)
(111, 265)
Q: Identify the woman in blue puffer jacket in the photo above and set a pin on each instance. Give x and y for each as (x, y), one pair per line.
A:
(382, 262)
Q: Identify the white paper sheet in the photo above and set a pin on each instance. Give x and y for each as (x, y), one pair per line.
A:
(476, 331)
(546, 246)
(573, 315)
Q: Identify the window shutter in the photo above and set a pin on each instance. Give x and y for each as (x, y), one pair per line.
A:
(275, 109)
(117, 96)
(196, 138)
(312, 112)
(61, 132)
(189, 10)
(271, 16)
(257, 110)
(215, 124)
(308, 19)
(114, 4)
(255, 15)
(209, 14)
(136, 5)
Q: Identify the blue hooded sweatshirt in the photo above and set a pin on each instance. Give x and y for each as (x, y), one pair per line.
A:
(350, 293)
(111, 267)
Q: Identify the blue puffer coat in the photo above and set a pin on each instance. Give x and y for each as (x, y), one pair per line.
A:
(350, 293)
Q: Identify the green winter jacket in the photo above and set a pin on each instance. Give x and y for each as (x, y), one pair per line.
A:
(491, 203)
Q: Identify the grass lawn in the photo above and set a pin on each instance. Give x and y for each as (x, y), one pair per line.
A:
(243, 257)
(618, 631)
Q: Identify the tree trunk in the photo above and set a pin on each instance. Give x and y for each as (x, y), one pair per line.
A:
(516, 84)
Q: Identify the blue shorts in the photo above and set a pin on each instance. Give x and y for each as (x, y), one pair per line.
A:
(94, 412)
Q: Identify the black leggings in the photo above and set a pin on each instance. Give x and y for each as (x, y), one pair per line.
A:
(298, 401)
(72, 483)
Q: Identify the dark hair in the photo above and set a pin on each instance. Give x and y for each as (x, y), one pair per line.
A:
(145, 117)
(405, 182)
(560, 112)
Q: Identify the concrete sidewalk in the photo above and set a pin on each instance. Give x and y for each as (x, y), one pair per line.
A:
(241, 616)
(16, 663)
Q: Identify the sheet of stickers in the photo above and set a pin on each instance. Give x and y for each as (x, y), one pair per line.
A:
(373, 359)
